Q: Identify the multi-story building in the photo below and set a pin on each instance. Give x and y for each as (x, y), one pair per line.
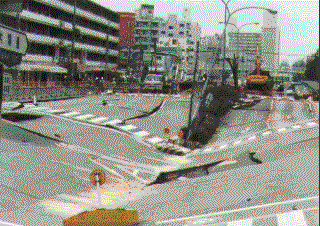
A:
(49, 28)
(244, 45)
(182, 33)
(127, 40)
(270, 41)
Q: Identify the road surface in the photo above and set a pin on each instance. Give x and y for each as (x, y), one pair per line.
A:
(45, 180)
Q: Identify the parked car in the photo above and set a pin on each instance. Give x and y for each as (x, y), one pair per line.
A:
(299, 90)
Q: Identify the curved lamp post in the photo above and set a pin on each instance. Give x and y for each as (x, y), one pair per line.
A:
(227, 19)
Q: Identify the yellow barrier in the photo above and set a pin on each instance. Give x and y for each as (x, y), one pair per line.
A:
(103, 217)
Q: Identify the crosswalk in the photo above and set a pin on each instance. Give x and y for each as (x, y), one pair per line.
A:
(102, 121)
(273, 214)
(307, 217)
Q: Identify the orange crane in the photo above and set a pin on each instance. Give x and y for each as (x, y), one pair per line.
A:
(259, 81)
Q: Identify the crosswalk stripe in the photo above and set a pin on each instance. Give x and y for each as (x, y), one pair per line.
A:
(56, 111)
(114, 122)
(98, 120)
(40, 108)
(71, 114)
(155, 140)
(84, 117)
(128, 127)
(246, 222)
(142, 133)
(292, 218)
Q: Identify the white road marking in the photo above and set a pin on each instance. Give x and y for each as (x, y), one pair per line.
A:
(223, 146)
(114, 122)
(296, 127)
(128, 127)
(237, 142)
(267, 133)
(98, 120)
(9, 224)
(251, 138)
(58, 111)
(311, 124)
(207, 150)
(71, 114)
(239, 210)
(84, 117)
(41, 108)
(295, 218)
(281, 129)
(229, 162)
(247, 222)
(142, 133)
(155, 140)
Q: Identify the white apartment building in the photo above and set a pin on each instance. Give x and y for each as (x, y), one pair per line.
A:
(270, 41)
(182, 33)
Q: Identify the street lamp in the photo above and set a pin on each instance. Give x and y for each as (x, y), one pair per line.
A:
(227, 22)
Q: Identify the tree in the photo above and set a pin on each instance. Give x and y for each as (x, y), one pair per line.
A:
(284, 65)
(300, 63)
(312, 68)
(233, 62)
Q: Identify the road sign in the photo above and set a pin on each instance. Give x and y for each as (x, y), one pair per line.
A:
(101, 175)
(13, 45)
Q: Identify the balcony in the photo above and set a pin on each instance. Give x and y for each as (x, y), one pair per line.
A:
(57, 23)
(113, 38)
(113, 52)
(37, 58)
(25, 14)
(68, 8)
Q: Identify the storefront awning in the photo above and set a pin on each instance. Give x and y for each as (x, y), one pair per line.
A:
(42, 68)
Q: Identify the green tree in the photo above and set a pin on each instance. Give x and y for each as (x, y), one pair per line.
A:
(297, 75)
(312, 68)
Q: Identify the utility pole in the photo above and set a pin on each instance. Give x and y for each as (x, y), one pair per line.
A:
(224, 46)
(193, 89)
(73, 39)
(1, 85)
(107, 54)
(155, 54)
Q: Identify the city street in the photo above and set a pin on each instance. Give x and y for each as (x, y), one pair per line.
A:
(166, 113)
(48, 178)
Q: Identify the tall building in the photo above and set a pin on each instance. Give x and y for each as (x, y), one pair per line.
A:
(182, 31)
(245, 45)
(270, 41)
(126, 40)
(48, 25)
(147, 27)
(208, 47)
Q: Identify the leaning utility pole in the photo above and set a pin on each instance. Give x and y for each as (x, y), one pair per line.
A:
(193, 88)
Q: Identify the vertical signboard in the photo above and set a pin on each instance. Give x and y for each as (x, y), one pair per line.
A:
(7, 83)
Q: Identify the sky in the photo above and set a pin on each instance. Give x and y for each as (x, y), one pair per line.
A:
(298, 20)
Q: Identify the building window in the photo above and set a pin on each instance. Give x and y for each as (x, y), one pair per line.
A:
(181, 25)
(170, 35)
(174, 42)
(9, 39)
(163, 32)
(170, 27)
